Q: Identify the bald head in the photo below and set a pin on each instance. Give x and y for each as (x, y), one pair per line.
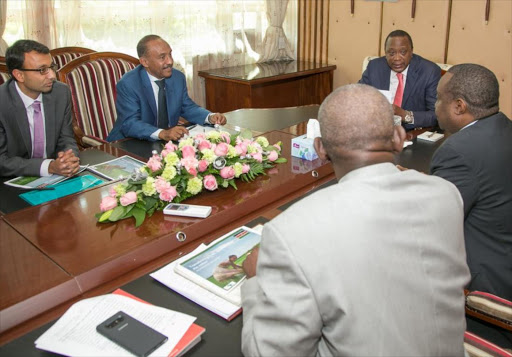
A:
(355, 118)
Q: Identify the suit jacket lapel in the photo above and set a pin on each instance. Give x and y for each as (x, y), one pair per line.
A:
(19, 115)
(384, 76)
(171, 101)
(147, 89)
(412, 79)
(49, 123)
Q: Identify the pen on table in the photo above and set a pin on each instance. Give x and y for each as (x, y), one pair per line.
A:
(39, 188)
(191, 127)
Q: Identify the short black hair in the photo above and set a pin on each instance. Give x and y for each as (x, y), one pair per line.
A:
(477, 86)
(15, 55)
(398, 33)
(142, 47)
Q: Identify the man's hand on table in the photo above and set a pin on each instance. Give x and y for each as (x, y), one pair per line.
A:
(250, 262)
(217, 118)
(173, 134)
(66, 164)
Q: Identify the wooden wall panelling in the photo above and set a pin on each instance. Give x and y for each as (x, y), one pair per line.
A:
(471, 40)
(352, 38)
(428, 29)
(313, 33)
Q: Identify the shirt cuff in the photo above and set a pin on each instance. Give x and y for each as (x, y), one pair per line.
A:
(155, 134)
(43, 171)
(207, 120)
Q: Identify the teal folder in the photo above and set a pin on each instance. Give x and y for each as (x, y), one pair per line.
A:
(61, 189)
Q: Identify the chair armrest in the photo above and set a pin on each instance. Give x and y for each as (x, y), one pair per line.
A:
(490, 308)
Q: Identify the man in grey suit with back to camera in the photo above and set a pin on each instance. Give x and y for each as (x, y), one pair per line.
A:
(477, 158)
(372, 266)
(36, 137)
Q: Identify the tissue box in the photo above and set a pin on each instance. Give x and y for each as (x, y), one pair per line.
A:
(303, 147)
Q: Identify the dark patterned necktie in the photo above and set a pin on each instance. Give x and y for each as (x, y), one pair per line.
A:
(163, 120)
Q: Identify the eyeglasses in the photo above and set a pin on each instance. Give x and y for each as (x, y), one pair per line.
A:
(43, 70)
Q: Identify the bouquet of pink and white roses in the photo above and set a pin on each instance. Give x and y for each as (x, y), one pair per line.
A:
(203, 162)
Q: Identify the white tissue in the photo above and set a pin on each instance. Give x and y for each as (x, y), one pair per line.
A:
(313, 129)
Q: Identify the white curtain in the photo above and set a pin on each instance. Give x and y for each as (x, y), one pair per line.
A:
(276, 45)
(3, 21)
(203, 34)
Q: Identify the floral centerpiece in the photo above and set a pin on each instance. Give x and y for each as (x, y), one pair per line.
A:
(203, 162)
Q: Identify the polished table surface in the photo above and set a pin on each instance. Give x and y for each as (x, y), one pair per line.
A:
(101, 257)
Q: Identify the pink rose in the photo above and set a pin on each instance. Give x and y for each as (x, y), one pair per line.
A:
(112, 191)
(257, 156)
(272, 156)
(168, 194)
(204, 144)
(165, 152)
(278, 147)
(227, 172)
(108, 203)
(128, 198)
(170, 147)
(161, 185)
(245, 168)
(188, 151)
(226, 137)
(203, 165)
(241, 149)
(192, 171)
(221, 149)
(154, 163)
(200, 137)
(210, 183)
(189, 162)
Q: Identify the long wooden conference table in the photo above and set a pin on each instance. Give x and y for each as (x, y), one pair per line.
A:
(55, 254)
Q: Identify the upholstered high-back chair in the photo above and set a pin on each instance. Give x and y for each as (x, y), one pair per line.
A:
(63, 55)
(92, 79)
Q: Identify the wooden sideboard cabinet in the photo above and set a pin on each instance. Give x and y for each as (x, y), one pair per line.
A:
(267, 85)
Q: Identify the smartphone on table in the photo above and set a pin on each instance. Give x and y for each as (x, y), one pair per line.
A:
(131, 334)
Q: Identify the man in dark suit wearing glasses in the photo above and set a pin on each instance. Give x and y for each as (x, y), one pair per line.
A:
(36, 137)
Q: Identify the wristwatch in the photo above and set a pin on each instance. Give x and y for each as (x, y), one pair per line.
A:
(409, 117)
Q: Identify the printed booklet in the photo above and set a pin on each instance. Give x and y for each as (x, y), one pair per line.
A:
(118, 168)
(218, 268)
(39, 182)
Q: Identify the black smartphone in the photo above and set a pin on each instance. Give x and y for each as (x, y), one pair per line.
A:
(131, 334)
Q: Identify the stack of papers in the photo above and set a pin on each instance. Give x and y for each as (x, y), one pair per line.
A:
(430, 136)
(74, 334)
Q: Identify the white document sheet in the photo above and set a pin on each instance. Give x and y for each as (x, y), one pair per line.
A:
(192, 291)
(74, 334)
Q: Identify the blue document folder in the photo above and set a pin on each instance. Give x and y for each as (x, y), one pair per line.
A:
(61, 189)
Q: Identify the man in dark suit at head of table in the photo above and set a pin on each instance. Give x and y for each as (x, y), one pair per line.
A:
(477, 158)
(411, 80)
(36, 136)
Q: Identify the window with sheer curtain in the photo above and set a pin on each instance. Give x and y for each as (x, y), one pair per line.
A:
(203, 34)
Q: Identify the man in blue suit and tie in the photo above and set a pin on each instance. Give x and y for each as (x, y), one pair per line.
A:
(152, 97)
(410, 79)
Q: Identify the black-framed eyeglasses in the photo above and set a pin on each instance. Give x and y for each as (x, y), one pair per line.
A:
(42, 70)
